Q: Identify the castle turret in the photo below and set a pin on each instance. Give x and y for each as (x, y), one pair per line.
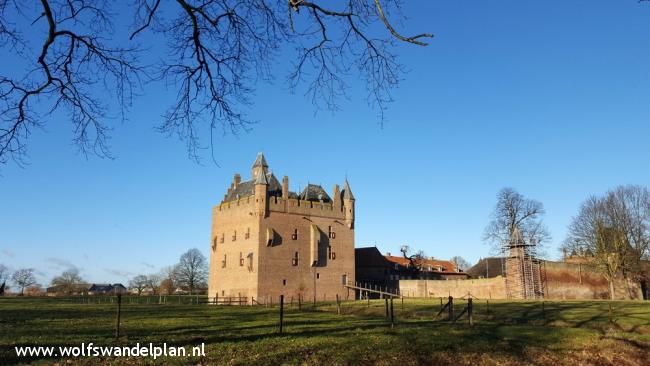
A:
(261, 192)
(259, 165)
(348, 204)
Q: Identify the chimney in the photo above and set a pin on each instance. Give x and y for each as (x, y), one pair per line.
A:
(285, 187)
(337, 194)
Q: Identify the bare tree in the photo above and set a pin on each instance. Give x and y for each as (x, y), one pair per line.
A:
(169, 276)
(414, 258)
(613, 232)
(217, 50)
(34, 290)
(4, 276)
(68, 280)
(153, 283)
(24, 278)
(514, 211)
(139, 283)
(460, 263)
(192, 269)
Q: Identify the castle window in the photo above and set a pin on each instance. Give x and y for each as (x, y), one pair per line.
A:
(214, 243)
(223, 238)
(330, 254)
(317, 275)
(234, 235)
(344, 279)
(331, 234)
(294, 236)
(241, 259)
(250, 261)
(223, 262)
(284, 282)
(294, 260)
(248, 233)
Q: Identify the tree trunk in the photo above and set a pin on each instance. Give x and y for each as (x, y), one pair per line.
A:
(611, 289)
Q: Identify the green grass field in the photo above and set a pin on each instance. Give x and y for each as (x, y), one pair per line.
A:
(560, 333)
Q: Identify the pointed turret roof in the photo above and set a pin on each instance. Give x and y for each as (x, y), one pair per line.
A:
(347, 192)
(261, 177)
(260, 161)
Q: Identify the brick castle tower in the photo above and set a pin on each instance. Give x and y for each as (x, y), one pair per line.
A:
(268, 241)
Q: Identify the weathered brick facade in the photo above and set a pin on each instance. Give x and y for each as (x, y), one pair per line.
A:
(268, 241)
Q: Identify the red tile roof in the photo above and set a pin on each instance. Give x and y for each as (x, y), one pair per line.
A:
(449, 267)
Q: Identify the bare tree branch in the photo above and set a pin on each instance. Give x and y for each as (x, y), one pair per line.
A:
(217, 52)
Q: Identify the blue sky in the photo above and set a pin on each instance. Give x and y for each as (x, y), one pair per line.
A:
(549, 98)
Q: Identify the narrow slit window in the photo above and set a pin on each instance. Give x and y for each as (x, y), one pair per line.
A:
(330, 233)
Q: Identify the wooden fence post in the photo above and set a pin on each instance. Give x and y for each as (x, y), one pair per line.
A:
(119, 314)
(386, 299)
(402, 302)
(338, 305)
(281, 312)
(451, 308)
(470, 306)
(392, 316)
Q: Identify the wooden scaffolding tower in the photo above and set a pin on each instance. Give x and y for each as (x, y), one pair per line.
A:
(522, 269)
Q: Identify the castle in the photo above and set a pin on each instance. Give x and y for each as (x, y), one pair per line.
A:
(268, 241)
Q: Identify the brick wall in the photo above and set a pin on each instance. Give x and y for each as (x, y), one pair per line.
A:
(484, 288)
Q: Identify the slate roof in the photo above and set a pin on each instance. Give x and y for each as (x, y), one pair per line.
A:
(261, 178)
(260, 161)
(101, 287)
(314, 193)
(247, 188)
(347, 192)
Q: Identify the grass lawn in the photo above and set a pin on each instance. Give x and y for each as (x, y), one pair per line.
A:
(559, 333)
